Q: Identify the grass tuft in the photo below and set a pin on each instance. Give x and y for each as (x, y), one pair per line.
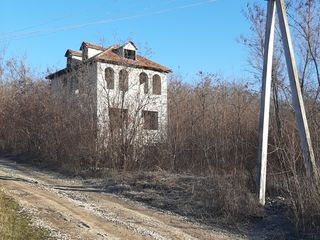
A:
(15, 225)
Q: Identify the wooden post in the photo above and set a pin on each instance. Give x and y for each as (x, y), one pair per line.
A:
(265, 102)
(300, 114)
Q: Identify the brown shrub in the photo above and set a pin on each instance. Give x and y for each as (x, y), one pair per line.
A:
(212, 131)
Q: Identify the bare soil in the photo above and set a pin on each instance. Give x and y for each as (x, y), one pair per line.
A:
(72, 208)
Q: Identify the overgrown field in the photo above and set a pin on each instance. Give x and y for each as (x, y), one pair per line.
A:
(212, 133)
(212, 129)
(16, 225)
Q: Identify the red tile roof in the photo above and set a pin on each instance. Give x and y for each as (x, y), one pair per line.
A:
(111, 56)
(72, 52)
(90, 45)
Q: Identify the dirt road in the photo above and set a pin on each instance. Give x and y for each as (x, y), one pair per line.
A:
(71, 210)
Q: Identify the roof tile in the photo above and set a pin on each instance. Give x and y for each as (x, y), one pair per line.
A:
(72, 52)
(111, 56)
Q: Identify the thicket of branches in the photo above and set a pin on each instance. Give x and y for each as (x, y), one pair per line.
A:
(212, 126)
(285, 155)
(212, 131)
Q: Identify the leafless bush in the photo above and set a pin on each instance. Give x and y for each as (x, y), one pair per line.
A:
(227, 198)
(287, 172)
(285, 163)
(212, 131)
(51, 129)
(212, 126)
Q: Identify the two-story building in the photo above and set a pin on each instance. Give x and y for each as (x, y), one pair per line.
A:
(125, 89)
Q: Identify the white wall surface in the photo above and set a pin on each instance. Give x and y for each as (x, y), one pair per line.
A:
(135, 98)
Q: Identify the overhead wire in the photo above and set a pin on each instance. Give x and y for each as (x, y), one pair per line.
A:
(22, 30)
(103, 21)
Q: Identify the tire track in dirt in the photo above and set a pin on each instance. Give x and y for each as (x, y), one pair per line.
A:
(74, 211)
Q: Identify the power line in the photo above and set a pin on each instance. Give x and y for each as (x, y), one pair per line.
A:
(104, 21)
(21, 31)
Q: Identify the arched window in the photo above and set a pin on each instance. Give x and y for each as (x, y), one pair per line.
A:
(123, 80)
(109, 76)
(156, 84)
(143, 78)
(64, 82)
(74, 85)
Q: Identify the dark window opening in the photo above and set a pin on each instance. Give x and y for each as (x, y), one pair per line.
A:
(74, 84)
(64, 82)
(109, 76)
(143, 78)
(156, 84)
(118, 118)
(123, 80)
(150, 120)
(130, 54)
(69, 60)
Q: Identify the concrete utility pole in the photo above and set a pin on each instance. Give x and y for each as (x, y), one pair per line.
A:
(300, 115)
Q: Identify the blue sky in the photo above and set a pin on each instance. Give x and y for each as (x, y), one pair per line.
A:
(184, 35)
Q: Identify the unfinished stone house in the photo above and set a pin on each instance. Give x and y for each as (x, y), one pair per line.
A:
(125, 89)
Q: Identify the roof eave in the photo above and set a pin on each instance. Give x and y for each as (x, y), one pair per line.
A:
(57, 73)
(69, 69)
(70, 52)
(135, 66)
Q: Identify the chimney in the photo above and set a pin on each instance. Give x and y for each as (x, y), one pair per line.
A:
(73, 57)
(89, 50)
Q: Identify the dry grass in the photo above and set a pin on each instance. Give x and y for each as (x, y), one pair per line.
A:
(223, 200)
(15, 225)
(212, 134)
